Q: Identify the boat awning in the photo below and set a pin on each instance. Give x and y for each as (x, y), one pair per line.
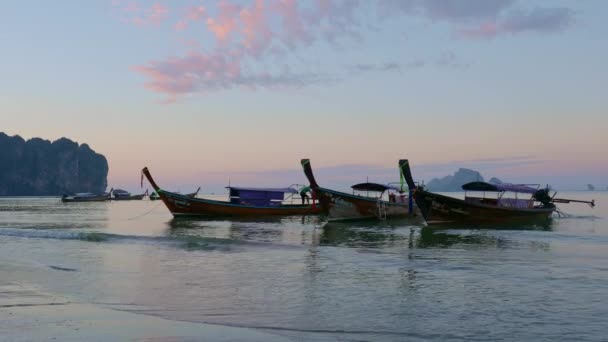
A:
(121, 192)
(483, 186)
(282, 190)
(374, 187)
(262, 197)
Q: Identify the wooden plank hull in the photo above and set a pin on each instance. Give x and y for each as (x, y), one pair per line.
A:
(182, 205)
(343, 206)
(101, 198)
(439, 208)
(187, 205)
(129, 198)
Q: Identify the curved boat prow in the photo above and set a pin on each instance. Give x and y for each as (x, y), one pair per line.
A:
(308, 172)
(406, 173)
(146, 173)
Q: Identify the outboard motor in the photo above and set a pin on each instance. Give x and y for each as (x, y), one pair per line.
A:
(542, 195)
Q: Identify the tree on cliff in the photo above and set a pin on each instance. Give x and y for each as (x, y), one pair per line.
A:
(37, 167)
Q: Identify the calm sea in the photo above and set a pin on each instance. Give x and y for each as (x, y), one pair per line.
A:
(296, 277)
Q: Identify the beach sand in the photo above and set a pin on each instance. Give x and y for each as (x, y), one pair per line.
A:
(27, 314)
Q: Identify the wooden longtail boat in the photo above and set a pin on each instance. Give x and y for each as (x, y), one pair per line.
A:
(344, 206)
(123, 195)
(246, 202)
(436, 208)
(85, 197)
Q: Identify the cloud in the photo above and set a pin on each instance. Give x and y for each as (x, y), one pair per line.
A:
(447, 10)
(389, 66)
(483, 18)
(225, 22)
(198, 72)
(248, 34)
(134, 13)
(540, 20)
(445, 59)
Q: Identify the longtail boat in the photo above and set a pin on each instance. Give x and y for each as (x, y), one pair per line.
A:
(123, 195)
(489, 202)
(85, 197)
(246, 202)
(341, 206)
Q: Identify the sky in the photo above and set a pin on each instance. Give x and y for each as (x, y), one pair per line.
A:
(203, 91)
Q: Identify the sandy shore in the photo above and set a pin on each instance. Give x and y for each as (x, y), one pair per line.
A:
(27, 314)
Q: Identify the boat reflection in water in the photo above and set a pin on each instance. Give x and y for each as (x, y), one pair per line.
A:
(383, 236)
(300, 230)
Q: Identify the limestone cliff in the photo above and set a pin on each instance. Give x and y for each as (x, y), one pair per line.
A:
(38, 167)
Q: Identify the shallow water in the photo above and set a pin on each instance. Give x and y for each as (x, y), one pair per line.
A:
(300, 278)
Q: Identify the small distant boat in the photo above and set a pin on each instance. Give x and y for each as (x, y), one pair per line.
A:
(123, 195)
(245, 202)
(85, 197)
(342, 206)
(538, 205)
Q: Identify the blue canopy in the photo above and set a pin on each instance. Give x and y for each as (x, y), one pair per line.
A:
(283, 190)
(483, 186)
(262, 197)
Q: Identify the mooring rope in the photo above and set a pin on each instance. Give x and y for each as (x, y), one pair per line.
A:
(144, 214)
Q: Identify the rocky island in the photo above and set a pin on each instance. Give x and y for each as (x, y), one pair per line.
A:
(38, 167)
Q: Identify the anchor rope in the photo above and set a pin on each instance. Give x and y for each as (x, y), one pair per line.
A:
(144, 214)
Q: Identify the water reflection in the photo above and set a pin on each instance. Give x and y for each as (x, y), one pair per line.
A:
(286, 230)
(528, 225)
(368, 235)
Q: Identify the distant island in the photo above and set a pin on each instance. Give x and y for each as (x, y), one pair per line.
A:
(38, 167)
(454, 182)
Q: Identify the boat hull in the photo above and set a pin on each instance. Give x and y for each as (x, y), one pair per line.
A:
(183, 205)
(341, 206)
(101, 198)
(129, 198)
(439, 209)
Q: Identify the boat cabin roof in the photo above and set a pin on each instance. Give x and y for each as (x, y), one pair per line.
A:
(282, 190)
(121, 192)
(375, 187)
(484, 186)
(259, 197)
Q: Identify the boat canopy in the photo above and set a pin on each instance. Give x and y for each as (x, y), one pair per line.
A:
(283, 190)
(375, 187)
(484, 186)
(120, 192)
(262, 197)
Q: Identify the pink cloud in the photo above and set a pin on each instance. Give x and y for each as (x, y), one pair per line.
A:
(180, 25)
(192, 14)
(257, 35)
(292, 23)
(196, 13)
(198, 72)
(226, 22)
(246, 34)
(157, 13)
